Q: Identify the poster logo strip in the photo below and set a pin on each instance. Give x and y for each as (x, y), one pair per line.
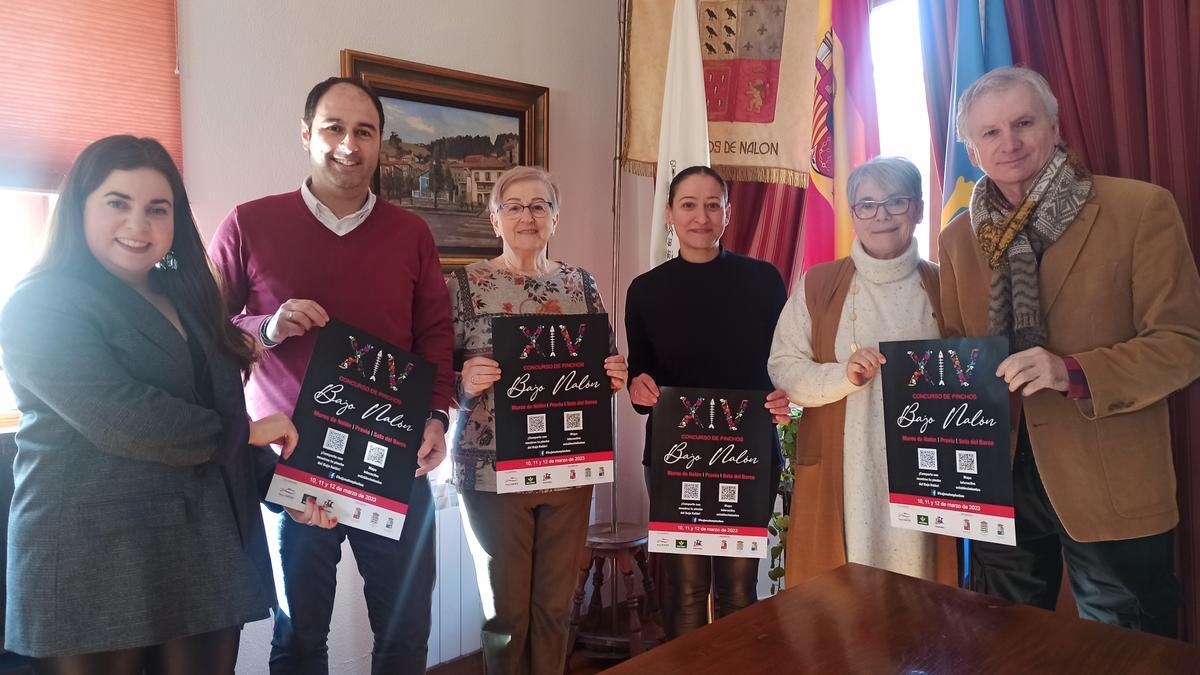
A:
(341, 489)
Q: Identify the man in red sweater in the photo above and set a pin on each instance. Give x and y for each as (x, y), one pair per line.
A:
(288, 263)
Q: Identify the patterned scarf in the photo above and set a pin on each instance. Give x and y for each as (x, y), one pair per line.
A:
(1013, 240)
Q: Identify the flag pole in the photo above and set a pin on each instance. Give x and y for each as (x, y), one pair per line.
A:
(614, 312)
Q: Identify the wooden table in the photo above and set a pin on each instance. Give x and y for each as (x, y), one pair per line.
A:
(858, 619)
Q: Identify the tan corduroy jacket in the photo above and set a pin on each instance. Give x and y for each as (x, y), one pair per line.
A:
(1120, 293)
(816, 534)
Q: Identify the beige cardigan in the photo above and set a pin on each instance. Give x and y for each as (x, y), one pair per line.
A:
(816, 537)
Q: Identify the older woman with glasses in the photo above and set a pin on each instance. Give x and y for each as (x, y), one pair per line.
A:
(825, 355)
(526, 544)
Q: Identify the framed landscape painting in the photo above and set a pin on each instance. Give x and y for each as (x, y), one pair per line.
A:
(447, 136)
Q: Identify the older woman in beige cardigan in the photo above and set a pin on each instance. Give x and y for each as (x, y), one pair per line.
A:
(825, 355)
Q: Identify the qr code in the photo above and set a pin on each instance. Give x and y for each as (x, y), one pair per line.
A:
(691, 491)
(335, 441)
(376, 454)
(966, 461)
(927, 459)
(535, 424)
(573, 420)
(727, 492)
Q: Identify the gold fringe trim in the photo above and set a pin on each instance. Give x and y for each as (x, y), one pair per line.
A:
(625, 79)
(760, 174)
(640, 168)
(764, 174)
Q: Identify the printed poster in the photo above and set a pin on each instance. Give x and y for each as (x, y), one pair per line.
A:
(361, 417)
(710, 474)
(949, 467)
(553, 401)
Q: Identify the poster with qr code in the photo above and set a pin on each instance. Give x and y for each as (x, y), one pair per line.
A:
(711, 486)
(553, 403)
(361, 416)
(946, 417)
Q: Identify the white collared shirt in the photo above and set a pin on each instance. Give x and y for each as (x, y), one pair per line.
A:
(339, 226)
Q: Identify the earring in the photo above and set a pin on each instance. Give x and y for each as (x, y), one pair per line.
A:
(168, 262)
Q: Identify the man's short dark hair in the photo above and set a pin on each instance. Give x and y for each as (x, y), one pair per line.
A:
(317, 92)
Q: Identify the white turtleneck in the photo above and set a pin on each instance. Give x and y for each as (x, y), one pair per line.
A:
(886, 301)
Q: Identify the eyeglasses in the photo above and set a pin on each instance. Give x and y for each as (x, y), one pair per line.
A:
(895, 206)
(538, 209)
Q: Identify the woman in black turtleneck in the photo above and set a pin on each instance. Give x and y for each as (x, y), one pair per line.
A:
(704, 319)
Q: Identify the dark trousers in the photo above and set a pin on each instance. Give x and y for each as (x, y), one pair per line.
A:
(1126, 583)
(398, 581)
(210, 653)
(732, 582)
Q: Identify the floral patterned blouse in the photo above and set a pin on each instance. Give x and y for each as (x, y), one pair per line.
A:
(477, 293)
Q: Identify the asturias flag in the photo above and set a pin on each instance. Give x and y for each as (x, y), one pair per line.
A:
(981, 44)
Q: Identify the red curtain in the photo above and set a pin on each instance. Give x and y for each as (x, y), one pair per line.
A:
(1125, 76)
(1124, 72)
(765, 223)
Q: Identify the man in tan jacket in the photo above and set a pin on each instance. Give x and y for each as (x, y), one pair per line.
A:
(1091, 279)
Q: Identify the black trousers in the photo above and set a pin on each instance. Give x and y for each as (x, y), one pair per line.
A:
(732, 582)
(1127, 583)
(210, 653)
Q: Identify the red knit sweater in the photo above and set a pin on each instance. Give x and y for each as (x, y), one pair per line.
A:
(383, 277)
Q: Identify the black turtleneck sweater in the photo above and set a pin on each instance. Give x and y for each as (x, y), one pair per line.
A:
(704, 324)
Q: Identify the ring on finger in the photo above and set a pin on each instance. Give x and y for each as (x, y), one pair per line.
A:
(289, 315)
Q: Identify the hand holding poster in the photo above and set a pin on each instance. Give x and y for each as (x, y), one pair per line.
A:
(949, 468)
(553, 401)
(361, 416)
(710, 478)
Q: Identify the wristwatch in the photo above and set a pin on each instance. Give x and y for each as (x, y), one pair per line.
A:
(438, 414)
(262, 334)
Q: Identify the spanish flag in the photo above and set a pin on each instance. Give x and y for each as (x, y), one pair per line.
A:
(980, 44)
(845, 128)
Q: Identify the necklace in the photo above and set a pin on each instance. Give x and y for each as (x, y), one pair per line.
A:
(854, 314)
(505, 265)
(854, 288)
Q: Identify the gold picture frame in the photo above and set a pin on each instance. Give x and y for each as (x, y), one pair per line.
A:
(447, 136)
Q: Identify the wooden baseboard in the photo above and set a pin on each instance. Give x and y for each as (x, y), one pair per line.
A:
(470, 664)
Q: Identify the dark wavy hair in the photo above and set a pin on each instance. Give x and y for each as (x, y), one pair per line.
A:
(697, 170)
(192, 285)
(323, 87)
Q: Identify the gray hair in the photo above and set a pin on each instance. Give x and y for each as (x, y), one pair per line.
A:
(523, 173)
(1003, 79)
(896, 174)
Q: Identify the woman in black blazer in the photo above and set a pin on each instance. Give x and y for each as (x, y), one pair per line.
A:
(135, 538)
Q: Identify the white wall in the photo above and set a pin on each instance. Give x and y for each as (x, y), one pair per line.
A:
(246, 66)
